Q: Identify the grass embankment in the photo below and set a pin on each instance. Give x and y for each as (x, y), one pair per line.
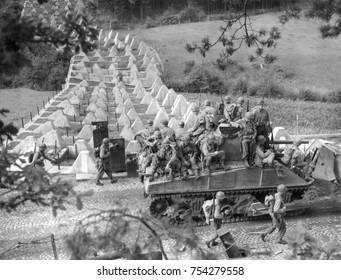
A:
(21, 102)
(298, 117)
(305, 60)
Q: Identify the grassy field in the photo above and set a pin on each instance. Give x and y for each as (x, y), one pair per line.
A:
(298, 117)
(306, 59)
(21, 102)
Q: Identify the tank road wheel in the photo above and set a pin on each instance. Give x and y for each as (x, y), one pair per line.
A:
(158, 207)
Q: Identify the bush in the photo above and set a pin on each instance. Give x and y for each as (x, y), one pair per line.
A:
(334, 97)
(309, 95)
(273, 90)
(189, 66)
(177, 85)
(240, 86)
(191, 13)
(254, 90)
(204, 80)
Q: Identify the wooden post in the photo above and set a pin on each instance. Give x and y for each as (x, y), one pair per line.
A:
(58, 161)
(48, 99)
(73, 139)
(67, 132)
(31, 115)
(38, 110)
(55, 146)
(88, 101)
(74, 118)
(43, 104)
(118, 126)
(54, 249)
(52, 94)
(76, 151)
(22, 122)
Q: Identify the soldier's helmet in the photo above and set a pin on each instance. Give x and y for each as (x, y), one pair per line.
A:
(186, 139)
(105, 141)
(220, 195)
(281, 188)
(181, 124)
(249, 116)
(164, 122)
(166, 142)
(261, 101)
(210, 138)
(261, 139)
(195, 108)
(297, 142)
(207, 102)
(157, 134)
(42, 147)
(150, 122)
(240, 100)
(228, 98)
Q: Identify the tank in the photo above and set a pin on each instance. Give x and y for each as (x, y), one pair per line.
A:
(181, 200)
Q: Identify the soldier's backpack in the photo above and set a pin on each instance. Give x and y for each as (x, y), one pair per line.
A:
(97, 151)
(208, 208)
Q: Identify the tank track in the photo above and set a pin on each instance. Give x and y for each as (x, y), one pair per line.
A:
(160, 202)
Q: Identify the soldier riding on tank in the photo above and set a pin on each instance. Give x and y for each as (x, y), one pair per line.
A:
(210, 151)
(188, 154)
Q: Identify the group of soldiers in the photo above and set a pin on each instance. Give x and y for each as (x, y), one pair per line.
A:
(166, 151)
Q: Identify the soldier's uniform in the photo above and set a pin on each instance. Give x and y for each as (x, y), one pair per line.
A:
(142, 135)
(167, 132)
(297, 158)
(188, 153)
(104, 163)
(262, 120)
(209, 149)
(247, 137)
(237, 112)
(180, 131)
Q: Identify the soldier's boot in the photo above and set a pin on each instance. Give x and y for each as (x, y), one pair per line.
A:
(223, 165)
(196, 174)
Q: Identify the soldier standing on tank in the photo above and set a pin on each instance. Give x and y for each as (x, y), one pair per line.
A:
(188, 153)
(216, 219)
(142, 135)
(237, 113)
(229, 108)
(104, 164)
(297, 158)
(247, 137)
(277, 211)
(166, 131)
(180, 131)
(262, 120)
(199, 126)
(209, 149)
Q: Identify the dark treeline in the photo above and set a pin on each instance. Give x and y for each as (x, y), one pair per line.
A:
(128, 9)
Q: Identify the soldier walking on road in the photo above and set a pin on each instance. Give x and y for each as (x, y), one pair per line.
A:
(277, 211)
(216, 219)
(104, 163)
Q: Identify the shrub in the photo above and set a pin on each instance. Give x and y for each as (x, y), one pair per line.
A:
(254, 90)
(150, 23)
(334, 97)
(191, 13)
(240, 86)
(274, 90)
(309, 95)
(189, 66)
(177, 85)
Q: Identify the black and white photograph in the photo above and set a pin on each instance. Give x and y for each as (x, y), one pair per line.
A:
(180, 130)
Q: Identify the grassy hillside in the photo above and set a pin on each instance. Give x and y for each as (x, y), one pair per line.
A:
(304, 57)
(21, 102)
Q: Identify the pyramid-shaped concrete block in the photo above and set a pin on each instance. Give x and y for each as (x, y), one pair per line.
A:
(97, 54)
(85, 133)
(143, 49)
(84, 164)
(190, 120)
(103, 96)
(132, 59)
(123, 120)
(128, 104)
(55, 115)
(74, 100)
(134, 69)
(64, 104)
(28, 144)
(52, 138)
(153, 107)
(101, 59)
(130, 64)
(92, 107)
(94, 98)
(128, 53)
(161, 95)
(119, 100)
(71, 111)
(134, 43)
(149, 80)
(79, 76)
(120, 46)
(138, 87)
(147, 98)
(127, 133)
(137, 125)
(133, 147)
(116, 91)
(101, 113)
(180, 107)
(160, 116)
(117, 38)
(132, 114)
(102, 85)
(189, 110)
(89, 118)
(101, 103)
(145, 63)
(120, 109)
(82, 145)
(125, 96)
(169, 99)
(97, 70)
(84, 83)
(173, 123)
(127, 40)
(62, 122)
(121, 85)
(44, 128)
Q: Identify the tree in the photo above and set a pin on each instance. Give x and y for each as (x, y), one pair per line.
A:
(238, 21)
